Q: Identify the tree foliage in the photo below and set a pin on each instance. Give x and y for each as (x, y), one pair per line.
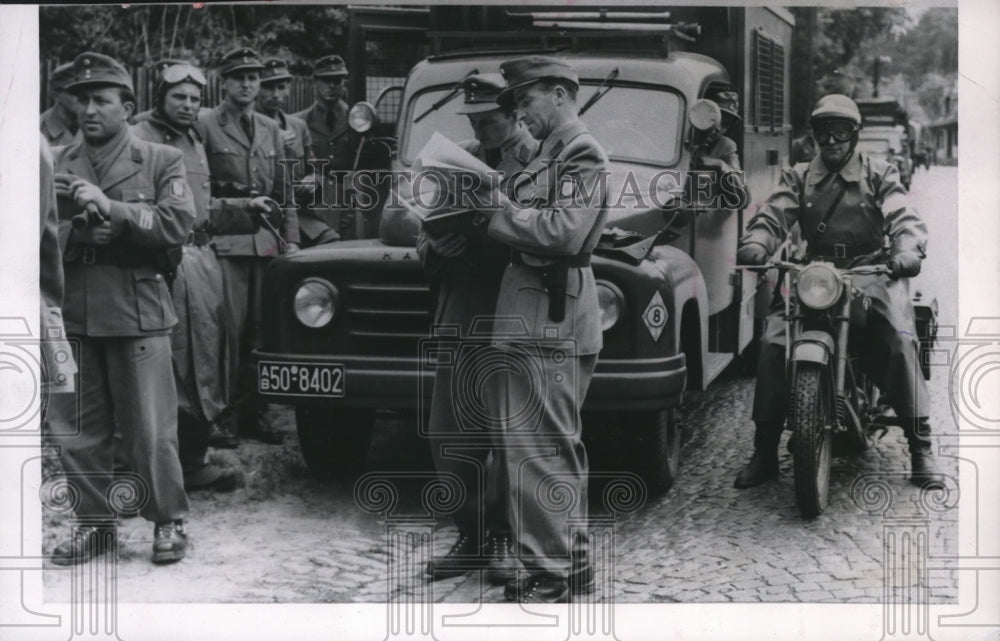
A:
(137, 34)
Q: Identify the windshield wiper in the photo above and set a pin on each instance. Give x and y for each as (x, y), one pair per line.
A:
(457, 89)
(597, 95)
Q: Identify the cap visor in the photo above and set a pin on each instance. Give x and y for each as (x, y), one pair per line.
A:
(246, 67)
(477, 108)
(331, 74)
(83, 84)
(286, 76)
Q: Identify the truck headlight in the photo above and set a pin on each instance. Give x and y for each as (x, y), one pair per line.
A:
(361, 117)
(818, 286)
(612, 303)
(315, 302)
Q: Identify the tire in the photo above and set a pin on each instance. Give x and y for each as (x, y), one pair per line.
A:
(656, 451)
(813, 447)
(334, 442)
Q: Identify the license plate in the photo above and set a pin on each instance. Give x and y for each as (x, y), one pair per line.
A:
(300, 379)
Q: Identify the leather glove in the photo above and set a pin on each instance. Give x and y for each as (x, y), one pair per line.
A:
(903, 265)
(752, 254)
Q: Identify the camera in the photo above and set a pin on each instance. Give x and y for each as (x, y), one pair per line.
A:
(531, 368)
(89, 217)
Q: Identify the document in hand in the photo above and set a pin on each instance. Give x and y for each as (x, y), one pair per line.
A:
(438, 201)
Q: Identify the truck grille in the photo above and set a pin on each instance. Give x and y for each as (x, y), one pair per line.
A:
(392, 317)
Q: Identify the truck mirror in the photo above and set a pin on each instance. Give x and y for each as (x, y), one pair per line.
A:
(704, 115)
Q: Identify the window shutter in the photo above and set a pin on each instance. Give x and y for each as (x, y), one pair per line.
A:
(769, 82)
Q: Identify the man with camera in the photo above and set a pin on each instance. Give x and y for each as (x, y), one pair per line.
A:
(552, 220)
(200, 339)
(245, 152)
(849, 207)
(466, 270)
(123, 204)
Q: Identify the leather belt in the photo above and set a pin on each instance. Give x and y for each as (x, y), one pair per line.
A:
(555, 277)
(98, 255)
(198, 238)
(841, 250)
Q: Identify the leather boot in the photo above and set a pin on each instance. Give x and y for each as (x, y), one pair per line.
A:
(541, 587)
(465, 554)
(924, 471)
(501, 562)
(763, 465)
(86, 543)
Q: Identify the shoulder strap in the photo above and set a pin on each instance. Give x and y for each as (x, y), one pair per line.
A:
(821, 227)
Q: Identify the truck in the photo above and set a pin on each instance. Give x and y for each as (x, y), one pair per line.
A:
(345, 322)
(886, 134)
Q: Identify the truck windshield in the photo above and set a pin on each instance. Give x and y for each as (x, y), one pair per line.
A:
(633, 124)
(877, 146)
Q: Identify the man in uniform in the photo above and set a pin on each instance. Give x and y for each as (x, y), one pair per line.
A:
(245, 153)
(59, 121)
(275, 84)
(157, 70)
(133, 204)
(552, 222)
(467, 270)
(847, 205)
(200, 338)
(328, 126)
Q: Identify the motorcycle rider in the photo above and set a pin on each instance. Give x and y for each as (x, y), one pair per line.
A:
(848, 207)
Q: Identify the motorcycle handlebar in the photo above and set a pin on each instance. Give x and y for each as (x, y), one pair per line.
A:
(860, 270)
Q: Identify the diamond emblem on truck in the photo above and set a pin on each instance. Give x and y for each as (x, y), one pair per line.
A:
(655, 316)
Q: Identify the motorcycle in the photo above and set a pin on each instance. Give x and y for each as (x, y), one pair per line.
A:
(835, 409)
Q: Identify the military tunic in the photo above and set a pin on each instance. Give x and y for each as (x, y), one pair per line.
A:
(562, 196)
(121, 314)
(252, 165)
(873, 212)
(468, 286)
(331, 143)
(201, 339)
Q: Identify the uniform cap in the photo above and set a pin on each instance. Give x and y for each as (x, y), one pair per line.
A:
(332, 65)
(242, 59)
(836, 105)
(521, 72)
(91, 69)
(481, 93)
(275, 69)
(61, 76)
(729, 103)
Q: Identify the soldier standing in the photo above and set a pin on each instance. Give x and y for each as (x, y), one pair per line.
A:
(275, 83)
(245, 152)
(133, 204)
(552, 222)
(200, 338)
(467, 270)
(59, 121)
(328, 126)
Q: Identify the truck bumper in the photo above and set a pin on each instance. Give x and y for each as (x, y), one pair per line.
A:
(398, 383)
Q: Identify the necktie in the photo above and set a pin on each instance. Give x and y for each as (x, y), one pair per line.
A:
(493, 157)
(331, 120)
(246, 126)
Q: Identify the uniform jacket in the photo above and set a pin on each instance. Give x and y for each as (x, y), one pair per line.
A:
(51, 283)
(332, 145)
(254, 164)
(55, 129)
(559, 205)
(151, 201)
(872, 212)
(216, 215)
(469, 283)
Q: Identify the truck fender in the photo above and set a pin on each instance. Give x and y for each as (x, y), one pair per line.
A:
(687, 287)
(813, 346)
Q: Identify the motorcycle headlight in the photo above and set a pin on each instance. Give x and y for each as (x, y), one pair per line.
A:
(315, 302)
(612, 303)
(818, 286)
(361, 117)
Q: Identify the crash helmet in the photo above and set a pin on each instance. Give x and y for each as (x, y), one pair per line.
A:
(836, 105)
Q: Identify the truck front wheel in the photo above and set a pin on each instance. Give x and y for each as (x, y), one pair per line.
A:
(657, 448)
(334, 441)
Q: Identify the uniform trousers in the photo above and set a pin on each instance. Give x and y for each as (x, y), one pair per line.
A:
(538, 399)
(128, 382)
(889, 357)
(242, 279)
(470, 450)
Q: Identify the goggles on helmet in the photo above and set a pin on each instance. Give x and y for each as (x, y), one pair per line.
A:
(179, 73)
(839, 130)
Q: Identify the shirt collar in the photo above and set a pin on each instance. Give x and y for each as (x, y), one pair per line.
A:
(562, 134)
(850, 172)
(162, 122)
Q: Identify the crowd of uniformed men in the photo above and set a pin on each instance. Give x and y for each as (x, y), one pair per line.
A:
(161, 361)
(167, 219)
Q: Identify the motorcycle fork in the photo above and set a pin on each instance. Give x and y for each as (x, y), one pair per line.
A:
(842, 326)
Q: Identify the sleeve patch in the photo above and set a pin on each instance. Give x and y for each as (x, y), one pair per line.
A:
(146, 218)
(177, 187)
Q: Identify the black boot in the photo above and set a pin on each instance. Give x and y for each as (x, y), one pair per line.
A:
(465, 554)
(501, 562)
(763, 465)
(923, 468)
(85, 543)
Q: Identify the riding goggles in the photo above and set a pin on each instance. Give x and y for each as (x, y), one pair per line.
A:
(839, 130)
(181, 73)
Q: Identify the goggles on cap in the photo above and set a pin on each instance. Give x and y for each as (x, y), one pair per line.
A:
(839, 130)
(179, 73)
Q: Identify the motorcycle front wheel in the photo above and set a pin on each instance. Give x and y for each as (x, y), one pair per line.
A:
(812, 448)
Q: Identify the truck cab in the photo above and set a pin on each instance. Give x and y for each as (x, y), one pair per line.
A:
(344, 329)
